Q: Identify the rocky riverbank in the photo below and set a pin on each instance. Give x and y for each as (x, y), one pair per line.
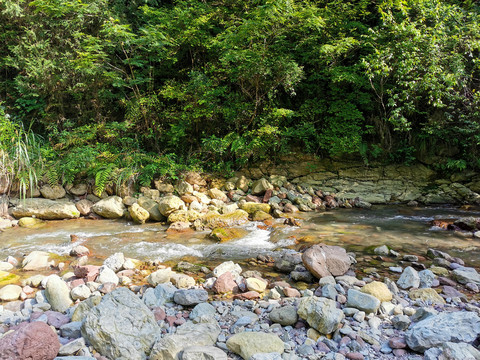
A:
(323, 303)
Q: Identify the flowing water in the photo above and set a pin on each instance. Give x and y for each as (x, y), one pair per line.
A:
(407, 230)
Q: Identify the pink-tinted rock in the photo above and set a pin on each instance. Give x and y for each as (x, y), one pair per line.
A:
(28, 290)
(397, 343)
(249, 295)
(30, 341)
(399, 352)
(76, 282)
(224, 283)
(56, 319)
(290, 208)
(331, 202)
(446, 281)
(127, 273)
(325, 260)
(291, 292)
(322, 347)
(179, 321)
(252, 198)
(159, 314)
(170, 320)
(354, 356)
(88, 272)
(107, 288)
(268, 195)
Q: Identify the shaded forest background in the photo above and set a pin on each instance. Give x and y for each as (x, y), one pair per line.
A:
(108, 89)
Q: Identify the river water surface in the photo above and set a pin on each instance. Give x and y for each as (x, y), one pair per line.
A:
(404, 229)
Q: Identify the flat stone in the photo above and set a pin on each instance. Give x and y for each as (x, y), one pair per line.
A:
(379, 290)
(10, 292)
(428, 295)
(324, 260)
(362, 301)
(285, 315)
(190, 297)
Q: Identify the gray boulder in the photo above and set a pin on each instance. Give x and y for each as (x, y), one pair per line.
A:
(45, 209)
(121, 327)
(320, 313)
(453, 351)
(465, 275)
(203, 310)
(409, 278)
(111, 207)
(285, 315)
(365, 302)
(188, 334)
(456, 327)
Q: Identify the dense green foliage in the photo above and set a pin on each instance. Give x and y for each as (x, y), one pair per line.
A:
(117, 87)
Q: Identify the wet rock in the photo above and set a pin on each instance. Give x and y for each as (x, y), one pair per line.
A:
(324, 260)
(227, 234)
(251, 207)
(45, 209)
(247, 344)
(285, 315)
(111, 207)
(462, 326)
(214, 220)
(31, 222)
(30, 341)
(287, 261)
(121, 326)
(320, 313)
(187, 335)
(409, 278)
(58, 294)
(138, 213)
(362, 301)
(79, 251)
(37, 260)
(203, 353)
(190, 297)
(379, 290)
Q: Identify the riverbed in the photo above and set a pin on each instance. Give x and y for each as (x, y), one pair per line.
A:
(404, 229)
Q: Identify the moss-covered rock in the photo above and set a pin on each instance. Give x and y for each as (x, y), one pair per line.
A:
(227, 234)
(214, 220)
(138, 213)
(184, 216)
(261, 216)
(251, 207)
(8, 278)
(31, 222)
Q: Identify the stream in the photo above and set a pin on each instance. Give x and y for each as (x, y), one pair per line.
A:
(404, 229)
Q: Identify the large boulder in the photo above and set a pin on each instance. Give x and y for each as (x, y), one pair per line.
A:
(325, 260)
(169, 204)
(58, 294)
(30, 341)
(188, 334)
(456, 327)
(249, 343)
(138, 213)
(320, 313)
(214, 220)
(121, 326)
(37, 260)
(45, 209)
(466, 275)
(152, 207)
(52, 192)
(111, 207)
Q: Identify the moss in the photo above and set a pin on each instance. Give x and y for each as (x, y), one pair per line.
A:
(251, 207)
(214, 220)
(227, 234)
(8, 278)
(261, 216)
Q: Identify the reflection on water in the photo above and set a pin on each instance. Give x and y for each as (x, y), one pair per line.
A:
(404, 229)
